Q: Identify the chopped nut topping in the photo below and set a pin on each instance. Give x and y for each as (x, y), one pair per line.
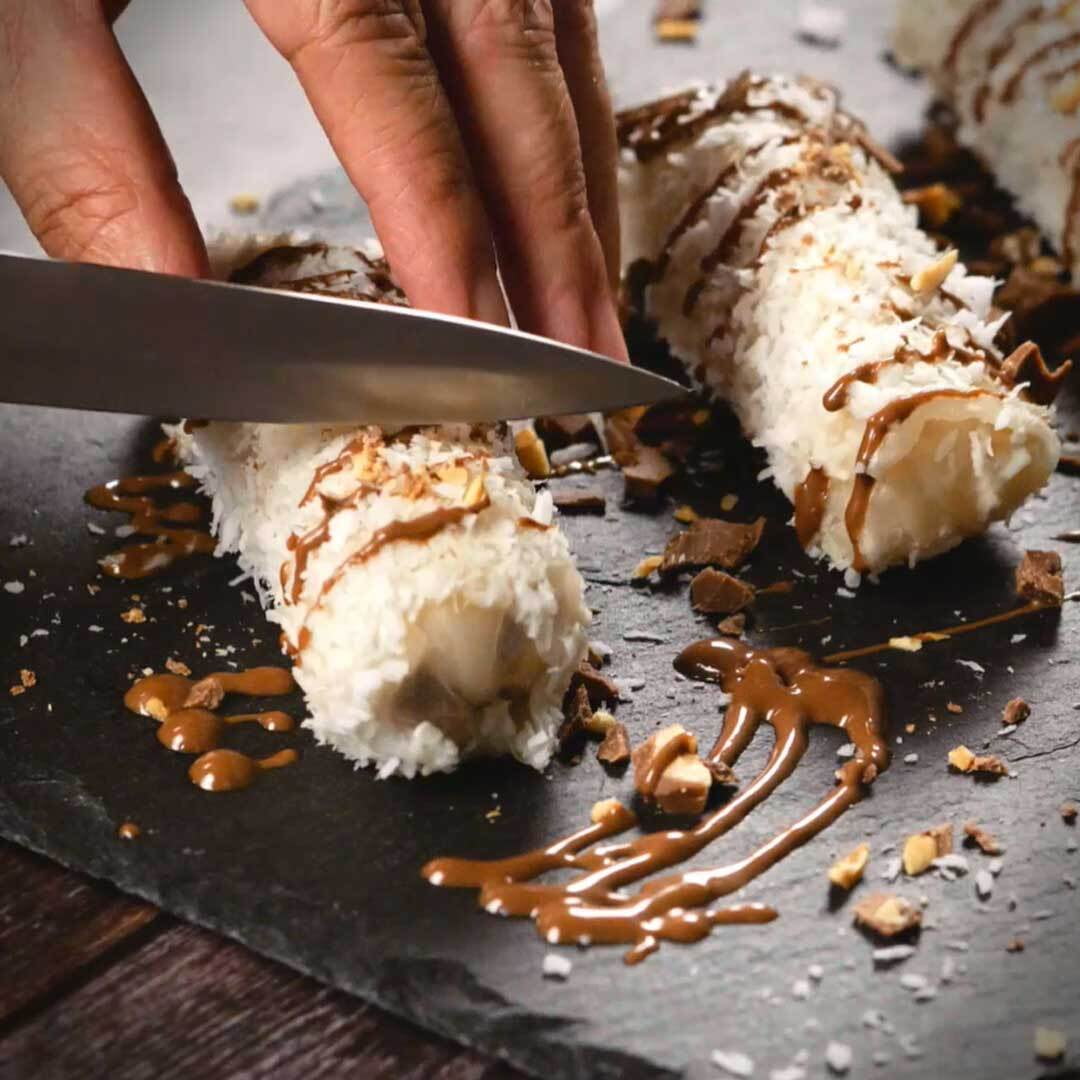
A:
(647, 566)
(936, 202)
(600, 723)
(986, 842)
(847, 871)
(205, 694)
(952, 707)
(1066, 97)
(686, 514)
(1015, 945)
(718, 593)
(27, 678)
(16, 690)
(711, 542)
(1050, 1044)
(923, 848)
(532, 454)
(906, 644)
(931, 277)
(604, 809)
(177, 667)
(645, 472)
(575, 726)
(887, 915)
(1038, 578)
(683, 787)
(476, 496)
(600, 688)
(683, 30)
(1015, 712)
(615, 749)
(245, 203)
(580, 502)
(133, 615)
(454, 475)
(963, 760)
(1069, 812)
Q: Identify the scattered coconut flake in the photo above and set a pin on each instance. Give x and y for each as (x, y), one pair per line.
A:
(556, 966)
(800, 989)
(791, 1072)
(1050, 1044)
(821, 24)
(847, 750)
(94, 628)
(892, 868)
(18, 540)
(124, 531)
(977, 668)
(573, 452)
(882, 1058)
(906, 644)
(1017, 638)
(948, 969)
(644, 635)
(838, 1057)
(912, 981)
(984, 884)
(847, 594)
(926, 993)
(911, 759)
(892, 954)
(14, 587)
(951, 866)
(873, 1019)
(97, 530)
(733, 1062)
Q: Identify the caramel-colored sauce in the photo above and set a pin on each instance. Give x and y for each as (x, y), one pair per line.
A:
(676, 746)
(877, 428)
(131, 495)
(1012, 86)
(191, 731)
(968, 25)
(781, 687)
(173, 690)
(229, 770)
(170, 690)
(936, 635)
(128, 831)
(164, 452)
(811, 498)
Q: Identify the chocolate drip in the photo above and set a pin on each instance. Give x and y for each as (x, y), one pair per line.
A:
(1001, 48)
(229, 770)
(877, 428)
(1025, 364)
(979, 13)
(131, 495)
(781, 687)
(811, 498)
(1012, 87)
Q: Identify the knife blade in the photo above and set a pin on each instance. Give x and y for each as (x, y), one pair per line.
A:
(81, 336)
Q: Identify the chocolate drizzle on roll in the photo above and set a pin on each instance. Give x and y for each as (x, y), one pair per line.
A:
(784, 688)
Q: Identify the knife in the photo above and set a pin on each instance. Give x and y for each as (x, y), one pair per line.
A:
(80, 336)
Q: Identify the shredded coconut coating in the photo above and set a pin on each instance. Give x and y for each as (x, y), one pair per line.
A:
(789, 277)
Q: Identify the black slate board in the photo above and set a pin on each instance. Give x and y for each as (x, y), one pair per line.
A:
(318, 865)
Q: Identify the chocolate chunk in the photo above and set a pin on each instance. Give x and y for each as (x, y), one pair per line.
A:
(620, 432)
(682, 786)
(1025, 364)
(1015, 712)
(560, 431)
(986, 842)
(580, 502)
(205, 694)
(711, 542)
(1038, 578)
(886, 915)
(615, 749)
(600, 689)
(717, 593)
(645, 473)
(573, 730)
(733, 625)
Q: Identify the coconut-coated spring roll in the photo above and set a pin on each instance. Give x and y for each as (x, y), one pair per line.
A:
(784, 270)
(429, 600)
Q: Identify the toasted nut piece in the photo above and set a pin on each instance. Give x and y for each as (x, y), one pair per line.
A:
(1015, 945)
(1038, 578)
(647, 566)
(604, 809)
(686, 514)
(133, 615)
(931, 277)
(27, 678)
(952, 707)
(532, 454)
(887, 915)
(1066, 97)
(906, 644)
(1049, 1044)
(205, 694)
(685, 30)
(727, 503)
(1015, 712)
(456, 475)
(961, 759)
(1069, 812)
(156, 708)
(847, 871)
(923, 848)
(936, 202)
(615, 749)
(476, 496)
(600, 723)
(245, 203)
(986, 842)
(177, 667)
(683, 786)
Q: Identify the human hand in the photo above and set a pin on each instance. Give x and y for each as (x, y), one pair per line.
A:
(470, 127)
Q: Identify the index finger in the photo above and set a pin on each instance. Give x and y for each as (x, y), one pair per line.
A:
(365, 68)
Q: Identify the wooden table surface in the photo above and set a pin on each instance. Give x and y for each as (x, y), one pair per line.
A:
(97, 984)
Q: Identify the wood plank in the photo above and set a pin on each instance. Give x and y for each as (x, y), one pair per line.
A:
(189, 1003)
(54, 925)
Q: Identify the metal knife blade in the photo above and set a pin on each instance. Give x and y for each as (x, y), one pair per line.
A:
(81, 336)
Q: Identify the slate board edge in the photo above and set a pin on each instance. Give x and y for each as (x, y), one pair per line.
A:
(523, 1043)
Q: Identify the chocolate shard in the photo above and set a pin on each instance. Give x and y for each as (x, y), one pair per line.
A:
(600, 689)
(560, 431)
(732, 626)
(1025, 364)
(715, 592)
(580, 502)
(615, 749)
(577, 713)
(711, 542)
(645, 473)
(205, 694)
(1038, 578)
(620, 432)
